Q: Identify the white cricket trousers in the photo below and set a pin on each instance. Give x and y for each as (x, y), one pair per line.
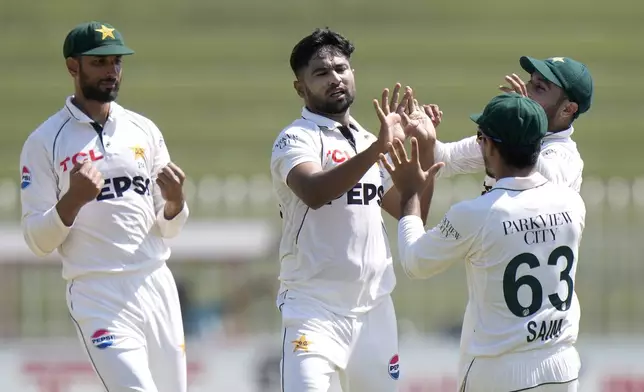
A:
(541, 370)
(317, 344)
(130, 325)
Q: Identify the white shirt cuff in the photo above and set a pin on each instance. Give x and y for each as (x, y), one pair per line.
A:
(171, 228)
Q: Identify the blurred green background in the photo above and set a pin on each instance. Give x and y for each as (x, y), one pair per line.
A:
(215, 78)
(214, 75)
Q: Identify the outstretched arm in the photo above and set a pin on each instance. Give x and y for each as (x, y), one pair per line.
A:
(461, 157)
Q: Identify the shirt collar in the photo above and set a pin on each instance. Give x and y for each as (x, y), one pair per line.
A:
(78, 115)
(521, 183)
(325, 122)
(561, 135)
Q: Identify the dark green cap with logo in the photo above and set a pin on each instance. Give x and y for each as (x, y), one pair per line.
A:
(95, 39)
(571, 75)
(513, 120)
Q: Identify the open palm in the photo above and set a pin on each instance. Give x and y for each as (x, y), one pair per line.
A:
(407, 173)
(390, 107)
(416, 123)
(390, 127)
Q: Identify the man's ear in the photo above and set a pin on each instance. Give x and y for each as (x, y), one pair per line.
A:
(73, 66)
(299, 88)
(569, 110)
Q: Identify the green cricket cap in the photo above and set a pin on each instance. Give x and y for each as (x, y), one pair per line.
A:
(571, 75)
(95, 39)
(513, 120)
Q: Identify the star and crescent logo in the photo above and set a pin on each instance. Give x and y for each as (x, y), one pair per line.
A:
(139, 152)
(301, 344)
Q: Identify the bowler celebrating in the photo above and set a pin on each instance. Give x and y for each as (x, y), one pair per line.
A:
(336, 268)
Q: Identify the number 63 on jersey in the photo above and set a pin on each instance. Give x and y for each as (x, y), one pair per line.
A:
(533, 288)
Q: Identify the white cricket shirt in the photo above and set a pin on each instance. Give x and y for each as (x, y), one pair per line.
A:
(123, 229)
(559, 160)
(520, 244)
(337, 255)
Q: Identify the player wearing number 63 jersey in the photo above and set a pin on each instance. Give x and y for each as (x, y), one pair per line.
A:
(520, 242)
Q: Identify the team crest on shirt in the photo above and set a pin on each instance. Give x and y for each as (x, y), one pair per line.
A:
(25, 178)
(301, 344)
(102, 339)
(139, 155)
(394, 367)
(139, 152)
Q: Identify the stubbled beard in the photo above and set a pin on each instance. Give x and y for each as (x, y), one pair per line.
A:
(334, 106)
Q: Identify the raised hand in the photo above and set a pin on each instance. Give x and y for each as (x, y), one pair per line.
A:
(416, 122)
(392, 105)
(390, 127)
(516, 85)
(407, 174)
(434, 113)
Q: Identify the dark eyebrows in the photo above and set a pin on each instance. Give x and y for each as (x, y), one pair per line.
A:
(321, 68)
(327, 66)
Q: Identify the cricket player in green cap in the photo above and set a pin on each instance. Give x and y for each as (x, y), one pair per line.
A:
(564, 88)
(98, 186)
(520, 244)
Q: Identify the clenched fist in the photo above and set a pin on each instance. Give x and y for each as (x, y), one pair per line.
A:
(170, 181)
(85, 182)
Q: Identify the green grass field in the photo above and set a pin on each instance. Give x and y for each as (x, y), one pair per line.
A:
(214, 76)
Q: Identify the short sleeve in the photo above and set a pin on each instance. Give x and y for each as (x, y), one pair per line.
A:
(292, 147)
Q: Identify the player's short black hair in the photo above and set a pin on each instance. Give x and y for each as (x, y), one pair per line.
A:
(519, 157)
(320, 39)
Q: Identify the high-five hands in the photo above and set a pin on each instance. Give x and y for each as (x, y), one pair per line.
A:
(405, 118)
(388, 111)
(416, 121)
(407, 174)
